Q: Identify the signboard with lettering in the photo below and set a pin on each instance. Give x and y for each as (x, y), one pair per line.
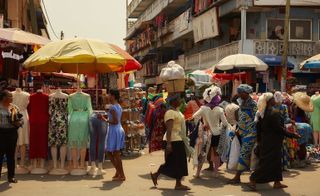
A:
(283, 2)
(205, 26)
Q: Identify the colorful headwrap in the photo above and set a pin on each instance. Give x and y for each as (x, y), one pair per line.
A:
(244, 88)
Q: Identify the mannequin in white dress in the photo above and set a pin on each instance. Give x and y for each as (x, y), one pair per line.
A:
(21, 100)
(58, 111)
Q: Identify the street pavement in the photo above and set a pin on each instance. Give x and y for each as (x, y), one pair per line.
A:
(302, 182)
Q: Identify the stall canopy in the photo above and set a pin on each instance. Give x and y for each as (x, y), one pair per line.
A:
(22, 37)
(241, 61)
(274, 61)
(311, 63)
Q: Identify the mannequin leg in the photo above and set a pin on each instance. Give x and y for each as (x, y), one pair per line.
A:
(83, 152)
(63, 153)
(74, 153)
(22, 155)
(54, 154)
(316, 136)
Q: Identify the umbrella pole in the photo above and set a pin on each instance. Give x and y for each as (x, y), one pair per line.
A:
(97, 83)
(78, 78)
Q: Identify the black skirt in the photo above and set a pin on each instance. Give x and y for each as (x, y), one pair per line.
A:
(215, 141)
(175, 165)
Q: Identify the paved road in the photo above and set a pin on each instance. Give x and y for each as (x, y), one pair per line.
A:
(304, 182)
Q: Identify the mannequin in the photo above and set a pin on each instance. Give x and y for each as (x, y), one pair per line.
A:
(58, 111)
(79, 109)
(39, 120)
(315, 118)
(98, 132)
(21, 100)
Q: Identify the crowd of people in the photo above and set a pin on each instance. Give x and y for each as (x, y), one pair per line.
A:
(213, 125)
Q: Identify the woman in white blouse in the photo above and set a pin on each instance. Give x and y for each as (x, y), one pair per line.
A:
(214, 120)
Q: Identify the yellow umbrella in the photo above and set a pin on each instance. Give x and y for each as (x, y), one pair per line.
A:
(81, 56)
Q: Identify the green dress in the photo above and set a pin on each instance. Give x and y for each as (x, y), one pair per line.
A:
(315, 115)
(80, 109)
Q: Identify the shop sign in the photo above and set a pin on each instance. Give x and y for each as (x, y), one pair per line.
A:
(11, 55)
(283, 2)
(205, 26)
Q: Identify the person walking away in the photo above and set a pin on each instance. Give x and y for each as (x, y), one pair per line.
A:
(116, 135)
(270, 127)
(175, 165)
(246, 129)
(10, 121)
(212, 115)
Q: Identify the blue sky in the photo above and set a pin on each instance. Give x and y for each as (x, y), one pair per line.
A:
(99, 19)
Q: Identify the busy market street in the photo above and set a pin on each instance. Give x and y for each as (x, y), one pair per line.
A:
(159, 97)
(301, 182)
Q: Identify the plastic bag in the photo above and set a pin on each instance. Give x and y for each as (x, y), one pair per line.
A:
(173, 71)
(234, 154)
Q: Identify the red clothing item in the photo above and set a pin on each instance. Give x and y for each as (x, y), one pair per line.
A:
(38, 110)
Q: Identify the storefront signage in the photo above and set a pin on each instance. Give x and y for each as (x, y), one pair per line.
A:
(283, 2)
(11, 55)
(205, 26)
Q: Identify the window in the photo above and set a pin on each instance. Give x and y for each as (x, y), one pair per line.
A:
(300, 29)
(275, 29)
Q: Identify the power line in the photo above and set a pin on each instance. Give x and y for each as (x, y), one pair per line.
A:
(47, 16)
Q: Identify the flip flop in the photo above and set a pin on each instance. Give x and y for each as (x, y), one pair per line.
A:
(234, 181)
(251, 187)
(282, 186)
(182, 188)
(154, 180)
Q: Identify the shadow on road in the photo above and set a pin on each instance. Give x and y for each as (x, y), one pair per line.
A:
(266, 190)
(172, 192)
(109, 185)
(4, 187)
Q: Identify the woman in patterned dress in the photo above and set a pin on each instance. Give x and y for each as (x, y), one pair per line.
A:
(246, 130)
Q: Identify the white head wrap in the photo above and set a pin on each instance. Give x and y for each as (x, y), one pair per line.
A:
(262, 103)
(211, 92)
(278, 97)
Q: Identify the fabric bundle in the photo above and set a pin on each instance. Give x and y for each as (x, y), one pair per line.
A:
(173, 71)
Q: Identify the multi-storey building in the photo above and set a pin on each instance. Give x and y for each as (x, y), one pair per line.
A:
(23, 14)
(199, 33)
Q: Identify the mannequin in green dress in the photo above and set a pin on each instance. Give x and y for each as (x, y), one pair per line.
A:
(80, 109)
(315, 118)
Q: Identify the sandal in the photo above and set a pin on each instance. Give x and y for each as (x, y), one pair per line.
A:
(281, 186)
(234, 181)
(251, 187)
(119, 179)
(182, 188)
(154, 179)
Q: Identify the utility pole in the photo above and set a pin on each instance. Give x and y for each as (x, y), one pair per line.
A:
(285, 48)
(33, 17)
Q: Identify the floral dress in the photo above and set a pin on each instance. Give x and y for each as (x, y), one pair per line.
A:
(58, 124)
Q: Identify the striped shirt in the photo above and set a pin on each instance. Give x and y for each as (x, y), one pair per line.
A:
(6, 115)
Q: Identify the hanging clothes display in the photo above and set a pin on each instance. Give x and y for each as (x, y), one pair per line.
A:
(79, 108)
(38, 110)
(98, 132)
(159, 126)
(21, 100)
(315, 115)
(58, 125)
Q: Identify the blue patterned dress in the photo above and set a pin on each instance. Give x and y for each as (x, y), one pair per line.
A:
(248, 132)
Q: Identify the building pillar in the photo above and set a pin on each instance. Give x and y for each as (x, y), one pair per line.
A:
(243, 10)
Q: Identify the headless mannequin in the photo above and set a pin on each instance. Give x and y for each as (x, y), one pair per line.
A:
(38, 165)
(78, 169)
(316, 133)
(21, 168)
(63, 149)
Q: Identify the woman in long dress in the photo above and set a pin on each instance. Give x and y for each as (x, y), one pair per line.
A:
(175, 165)
(246, 130)
(270, 127)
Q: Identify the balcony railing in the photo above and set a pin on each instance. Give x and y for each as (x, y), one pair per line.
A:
(208, 58)
(275, 47)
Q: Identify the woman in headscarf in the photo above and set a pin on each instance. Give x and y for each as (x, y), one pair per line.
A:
(283, 110)
(246, 129)
(175, 165)
(270, 128)
(212, 116)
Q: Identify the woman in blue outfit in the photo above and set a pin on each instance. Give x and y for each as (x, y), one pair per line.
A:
(246, 129)
(116, 135)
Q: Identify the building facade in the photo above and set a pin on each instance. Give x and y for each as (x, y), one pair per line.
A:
(23, 14)
(199, 33)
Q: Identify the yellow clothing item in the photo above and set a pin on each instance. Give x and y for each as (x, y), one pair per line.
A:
(178, 119)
